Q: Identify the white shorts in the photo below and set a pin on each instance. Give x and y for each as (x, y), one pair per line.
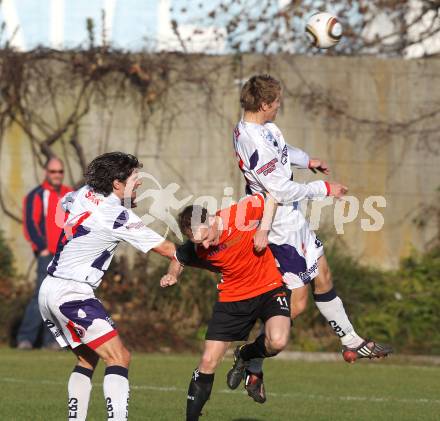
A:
(73, 314)
(295, 247)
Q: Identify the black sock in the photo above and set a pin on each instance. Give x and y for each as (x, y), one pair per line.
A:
(198, 393)
(256, 349)
(83, 370)
(326, 296)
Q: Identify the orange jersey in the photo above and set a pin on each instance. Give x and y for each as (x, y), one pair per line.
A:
(245, 274)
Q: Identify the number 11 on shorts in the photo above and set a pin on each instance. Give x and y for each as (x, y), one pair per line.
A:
(283, 301)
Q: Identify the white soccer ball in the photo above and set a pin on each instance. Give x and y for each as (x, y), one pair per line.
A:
(324, 30)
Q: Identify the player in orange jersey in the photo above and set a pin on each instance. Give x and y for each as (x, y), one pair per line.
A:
(233, 242)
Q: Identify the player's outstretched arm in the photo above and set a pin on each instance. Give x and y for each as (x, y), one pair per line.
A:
(262, 233)
(286, 191)
(297, 157)
(268, 171)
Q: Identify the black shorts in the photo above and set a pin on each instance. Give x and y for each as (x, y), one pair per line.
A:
(233, 321)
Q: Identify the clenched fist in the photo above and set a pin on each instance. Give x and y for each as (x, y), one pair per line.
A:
(168, 280)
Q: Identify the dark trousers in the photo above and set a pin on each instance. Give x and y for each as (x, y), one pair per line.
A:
(32, 321)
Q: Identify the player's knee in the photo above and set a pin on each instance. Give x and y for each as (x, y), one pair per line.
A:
(278, 342)
(208, 363)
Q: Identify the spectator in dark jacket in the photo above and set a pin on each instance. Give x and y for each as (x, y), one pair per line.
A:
(42, 231)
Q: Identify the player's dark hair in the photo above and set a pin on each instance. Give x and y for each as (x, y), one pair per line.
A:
(106, 168)
(259, 89)
(191, 217)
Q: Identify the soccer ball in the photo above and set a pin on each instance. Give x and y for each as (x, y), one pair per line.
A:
(324, 30)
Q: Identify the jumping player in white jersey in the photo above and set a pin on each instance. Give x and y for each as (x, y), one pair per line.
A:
(97, 222)
(265, 160)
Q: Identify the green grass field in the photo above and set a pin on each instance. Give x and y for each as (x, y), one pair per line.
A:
(33, 387)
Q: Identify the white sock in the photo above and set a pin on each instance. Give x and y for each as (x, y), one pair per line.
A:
(116, 392)
(79, 388)
(332, 308)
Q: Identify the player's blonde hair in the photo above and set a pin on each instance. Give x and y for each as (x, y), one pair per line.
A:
(257, 90)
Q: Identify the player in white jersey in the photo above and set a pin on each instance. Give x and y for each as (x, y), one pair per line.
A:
(265, 160)
(97, 222)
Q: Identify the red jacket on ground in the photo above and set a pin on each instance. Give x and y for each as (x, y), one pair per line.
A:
(39, 210)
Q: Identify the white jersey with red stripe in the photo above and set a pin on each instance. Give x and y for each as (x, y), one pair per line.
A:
(265, 160)
(95, 226)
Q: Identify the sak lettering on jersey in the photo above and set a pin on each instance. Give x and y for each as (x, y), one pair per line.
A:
(268, 167)
(90, 195)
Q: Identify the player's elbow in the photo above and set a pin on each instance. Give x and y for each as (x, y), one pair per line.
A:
(166, 249)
